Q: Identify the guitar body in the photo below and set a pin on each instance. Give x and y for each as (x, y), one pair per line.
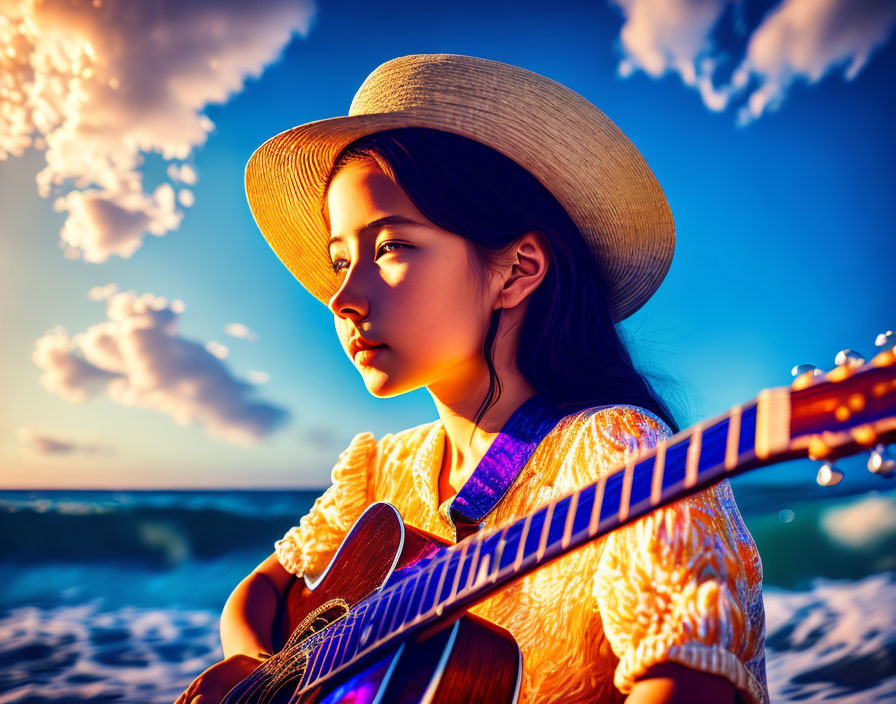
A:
(460, 660)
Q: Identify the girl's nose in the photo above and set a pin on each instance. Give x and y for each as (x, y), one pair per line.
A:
(349, 301)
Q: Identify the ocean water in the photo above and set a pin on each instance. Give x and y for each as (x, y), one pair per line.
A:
(115, 596)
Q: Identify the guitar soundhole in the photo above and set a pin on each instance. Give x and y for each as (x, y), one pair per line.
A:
(317, 620)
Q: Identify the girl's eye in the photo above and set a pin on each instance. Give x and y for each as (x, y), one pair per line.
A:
(336, 267)
(389, 244)
(382, 250)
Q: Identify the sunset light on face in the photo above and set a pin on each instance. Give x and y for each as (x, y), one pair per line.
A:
(409, 287)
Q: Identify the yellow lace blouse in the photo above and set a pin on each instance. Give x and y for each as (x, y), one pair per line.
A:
(681, 584)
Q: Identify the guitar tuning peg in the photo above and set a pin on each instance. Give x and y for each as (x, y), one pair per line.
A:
(804, 374)
(879, 462)
(828, 475)
(885, 339)
(850, 358)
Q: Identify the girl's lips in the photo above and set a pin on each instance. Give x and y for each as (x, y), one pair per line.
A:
(364, 355)
(359, 343)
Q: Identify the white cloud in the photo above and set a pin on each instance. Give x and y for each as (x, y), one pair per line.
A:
(138, 358)
(863, 523)
(258, 377)
(46, 443)
(805, 39)
(186, 198)
(241, 331)
(216, 348)
(672, 35)
(183, 173)
(101, 293)
(99, 85)
(796, 40)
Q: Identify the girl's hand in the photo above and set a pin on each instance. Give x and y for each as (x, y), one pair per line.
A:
(211, 686)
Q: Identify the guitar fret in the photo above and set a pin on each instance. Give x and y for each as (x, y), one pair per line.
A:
(458, 572)
(596, 508)
(584, 504)
(452, 566)
(394, 603)
(499, 552)
(474, 567)
(482, 569)
(676, 463)
(570, 517)
(311, 672)
(511, 546)
(318, 666)
(544, 533)
(558, 523)
(659, 465)
(733, 439)
(401, 603)
(520, 553)
(407, 597)
(625, 496)
(489, 558)
(431, 598)
(371, 615)
(345, 642)
(416, 600)
(443, 591)
(693, 457)
(330, 652)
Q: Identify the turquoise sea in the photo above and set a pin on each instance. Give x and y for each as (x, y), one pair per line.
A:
(114, 596)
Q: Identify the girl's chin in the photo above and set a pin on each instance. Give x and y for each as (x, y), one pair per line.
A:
(382, 386)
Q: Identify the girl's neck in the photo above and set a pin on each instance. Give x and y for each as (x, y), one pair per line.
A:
(466, 442)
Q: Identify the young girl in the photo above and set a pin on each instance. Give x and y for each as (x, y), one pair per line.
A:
(478, 229)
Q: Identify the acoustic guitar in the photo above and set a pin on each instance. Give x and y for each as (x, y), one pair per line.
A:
(386, 621)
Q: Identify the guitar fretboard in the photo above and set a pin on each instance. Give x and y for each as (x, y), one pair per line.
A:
(462, 574)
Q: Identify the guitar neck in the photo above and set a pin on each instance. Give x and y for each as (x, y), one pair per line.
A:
(460, 575)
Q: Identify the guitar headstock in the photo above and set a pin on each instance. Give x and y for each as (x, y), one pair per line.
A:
(846, 410)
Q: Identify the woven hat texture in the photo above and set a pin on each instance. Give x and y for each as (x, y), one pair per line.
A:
(567, 143)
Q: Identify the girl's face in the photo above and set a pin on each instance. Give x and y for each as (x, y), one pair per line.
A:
(408, 285)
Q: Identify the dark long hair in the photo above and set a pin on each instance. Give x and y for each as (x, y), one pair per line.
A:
(570, 349)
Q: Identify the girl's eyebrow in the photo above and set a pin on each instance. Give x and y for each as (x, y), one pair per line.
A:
(375, 225)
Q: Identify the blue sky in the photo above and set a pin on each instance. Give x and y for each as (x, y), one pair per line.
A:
(784, 218)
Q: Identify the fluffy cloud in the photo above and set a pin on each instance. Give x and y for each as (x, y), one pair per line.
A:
(672, 35)
(101, 83)
(138, 358)
(216, 348)
(258, 377)
(101, 293)
(241, 331)
(46, 443)
(805, 39)
(796, 40)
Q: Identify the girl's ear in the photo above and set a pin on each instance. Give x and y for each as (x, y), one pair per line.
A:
(526, 266)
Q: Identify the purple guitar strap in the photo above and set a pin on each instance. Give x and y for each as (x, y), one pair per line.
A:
(502, 464)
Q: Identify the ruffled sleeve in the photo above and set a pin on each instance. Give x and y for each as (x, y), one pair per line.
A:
(307, 548)
(683, 583)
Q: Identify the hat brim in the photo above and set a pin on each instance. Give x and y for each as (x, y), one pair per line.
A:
(577, 153)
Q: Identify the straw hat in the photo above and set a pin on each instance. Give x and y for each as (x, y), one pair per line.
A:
(569, 145)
